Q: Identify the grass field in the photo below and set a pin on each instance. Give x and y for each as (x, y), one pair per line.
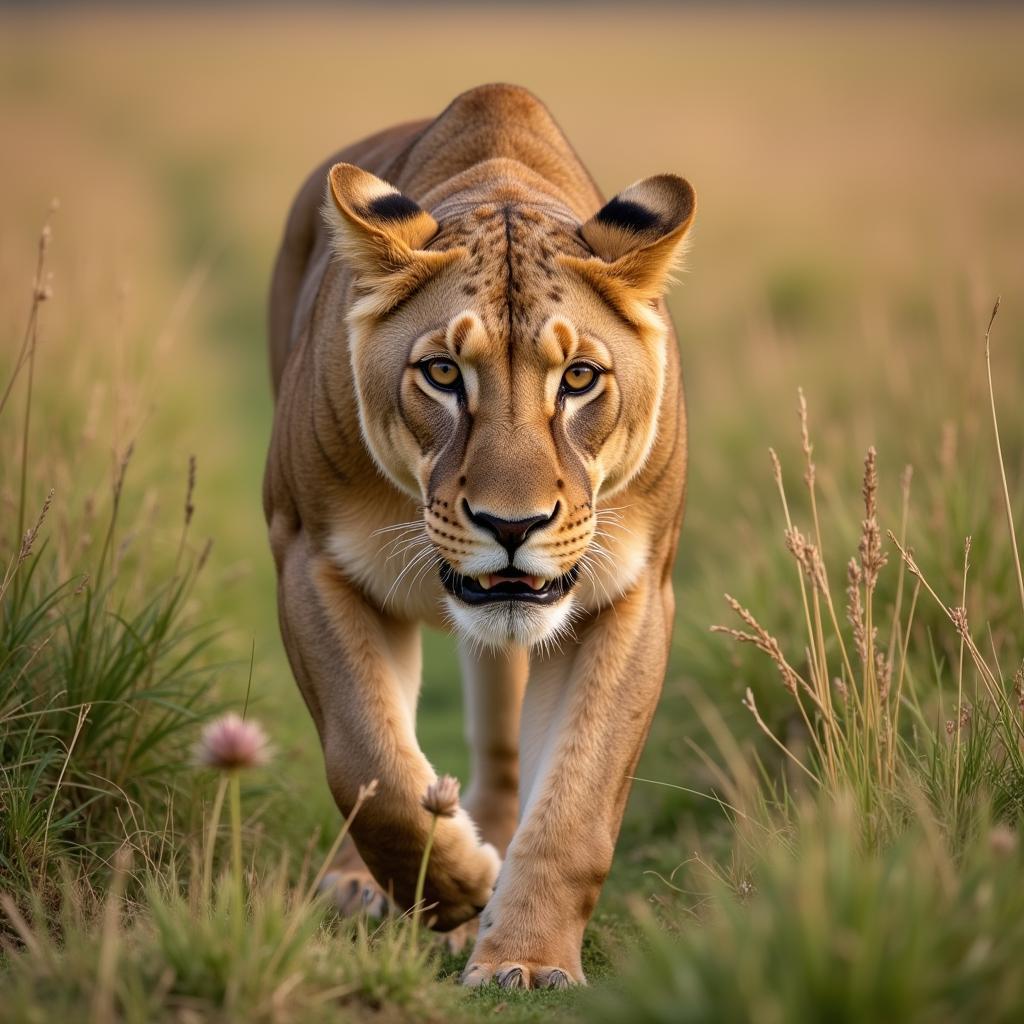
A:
(858, 175)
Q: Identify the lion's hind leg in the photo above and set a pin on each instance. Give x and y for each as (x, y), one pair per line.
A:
(494, 683)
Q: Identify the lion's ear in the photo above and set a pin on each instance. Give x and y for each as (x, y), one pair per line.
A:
(637, 237)
(381, 234)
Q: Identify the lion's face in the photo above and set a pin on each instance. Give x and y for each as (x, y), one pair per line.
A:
(510, 382)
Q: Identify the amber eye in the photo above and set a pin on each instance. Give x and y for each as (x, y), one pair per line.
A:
(442, 373)
(579, 378)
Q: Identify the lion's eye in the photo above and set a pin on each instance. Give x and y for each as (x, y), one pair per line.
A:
(442, 373)
(579, 378)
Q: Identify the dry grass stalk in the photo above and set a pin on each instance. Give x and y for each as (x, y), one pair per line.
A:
(765, 642)
(42, 291)
(821, 592)
(906, 477)
(999, 454)
(190, 490)
(959, 617)
(793, 682)
(751, 706)
(856, 734)
(988, 676)
(777, 472)
(27, 543)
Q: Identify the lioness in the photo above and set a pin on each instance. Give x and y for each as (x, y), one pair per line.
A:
(480, 423)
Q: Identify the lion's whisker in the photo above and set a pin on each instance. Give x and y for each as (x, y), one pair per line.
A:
(415, 561)
(396, 526)
(410, 543)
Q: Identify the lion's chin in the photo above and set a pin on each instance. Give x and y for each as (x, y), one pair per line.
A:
(512, 623)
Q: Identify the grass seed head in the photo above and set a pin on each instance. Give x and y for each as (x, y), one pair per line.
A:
(840, 688)
(805, 440)
(959, 617)
(807, 554)
(762, 640)
(442, 797)
(204, 554)
(872, 558)
(883, 673)
(962, 720)
(30, 535)
(189, 506)
(855, 608)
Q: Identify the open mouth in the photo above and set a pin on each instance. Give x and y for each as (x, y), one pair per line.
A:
(508, 584)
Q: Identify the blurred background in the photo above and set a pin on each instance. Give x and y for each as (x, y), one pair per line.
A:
(859, 180)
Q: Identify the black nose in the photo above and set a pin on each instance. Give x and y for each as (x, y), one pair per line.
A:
(509, 533)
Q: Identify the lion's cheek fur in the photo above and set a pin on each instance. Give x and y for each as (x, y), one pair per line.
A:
(377, 376)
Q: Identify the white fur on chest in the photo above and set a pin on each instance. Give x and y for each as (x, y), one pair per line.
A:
(397, 568)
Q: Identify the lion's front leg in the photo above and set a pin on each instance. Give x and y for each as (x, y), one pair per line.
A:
(585, 718)
(359, 672)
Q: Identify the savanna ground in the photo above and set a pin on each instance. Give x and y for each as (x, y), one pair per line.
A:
(860, 207)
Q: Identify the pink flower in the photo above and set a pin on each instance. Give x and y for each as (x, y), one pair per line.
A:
(231, 743)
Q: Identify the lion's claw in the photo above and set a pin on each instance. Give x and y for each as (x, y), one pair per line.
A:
(518, 976)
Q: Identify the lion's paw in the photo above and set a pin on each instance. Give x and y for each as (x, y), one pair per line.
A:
(519, 975)
(460, 878)
(355, 891)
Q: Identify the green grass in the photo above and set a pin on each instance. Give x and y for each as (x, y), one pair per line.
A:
(174, 953)
(822, 928)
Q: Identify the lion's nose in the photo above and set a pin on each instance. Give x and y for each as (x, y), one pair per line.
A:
(509, 533)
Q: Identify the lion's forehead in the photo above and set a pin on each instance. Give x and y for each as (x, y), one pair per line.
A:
(511, 276)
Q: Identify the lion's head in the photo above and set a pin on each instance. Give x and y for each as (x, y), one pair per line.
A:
(509, 364)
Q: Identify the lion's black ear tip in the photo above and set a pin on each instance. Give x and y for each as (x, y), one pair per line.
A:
(627, 215)
(650, 209)
(393, 206)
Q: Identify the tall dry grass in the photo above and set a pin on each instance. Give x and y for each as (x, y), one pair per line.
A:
(101, 672)
(874, 868)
